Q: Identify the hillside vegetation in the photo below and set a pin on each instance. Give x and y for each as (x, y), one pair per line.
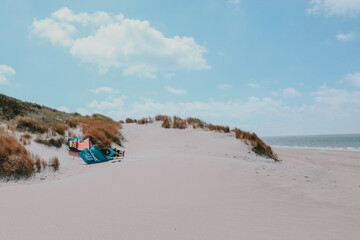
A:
(48, 126)
(258, 145)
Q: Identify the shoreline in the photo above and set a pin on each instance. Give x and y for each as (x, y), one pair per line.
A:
(316, 148)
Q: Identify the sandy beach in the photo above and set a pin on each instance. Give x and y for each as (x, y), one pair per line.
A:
(187, 184)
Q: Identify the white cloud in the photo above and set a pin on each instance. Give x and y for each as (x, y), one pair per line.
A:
(107, 104)
(118, 108)
(5, 73)
(329, 110)
(102, 90)
(225, 86)
(169, 75)
(290, 92)
(63, 109)
(112, 41)
(58, 33)
(235, 2)
(253, 85)
(345, 37)
(334, 7)
(336, 97)
(353, 78)
(175, 91)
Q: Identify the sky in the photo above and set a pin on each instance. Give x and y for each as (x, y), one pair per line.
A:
(272, 67)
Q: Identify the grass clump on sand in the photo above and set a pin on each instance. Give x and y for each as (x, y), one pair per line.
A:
(129, 120)
(54, 162)
(60, 128)
(30, 125)
(25, 139)
(218, 128)
(196, 123)
(73, 123)
(102, 131)
(145, 121)
(258, 146)
(179, 123)
(52, 142)
(15, 161)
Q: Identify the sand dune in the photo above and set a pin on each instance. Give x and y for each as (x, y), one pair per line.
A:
(188, 184)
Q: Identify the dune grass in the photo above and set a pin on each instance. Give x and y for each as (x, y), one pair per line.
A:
(102, 131)
(54, 162)
(15, 161)
(52, 142)
(179, 123)
(30, 125)
(258, 146)
(129, 120)
(60, 128)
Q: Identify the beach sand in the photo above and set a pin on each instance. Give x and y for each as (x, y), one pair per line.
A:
(187, 184)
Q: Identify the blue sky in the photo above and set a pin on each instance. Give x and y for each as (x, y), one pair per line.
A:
(273, 67)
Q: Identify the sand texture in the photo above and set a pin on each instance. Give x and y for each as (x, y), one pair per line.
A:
(187, 184)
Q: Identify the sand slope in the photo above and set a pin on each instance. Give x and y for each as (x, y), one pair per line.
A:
(189, 184)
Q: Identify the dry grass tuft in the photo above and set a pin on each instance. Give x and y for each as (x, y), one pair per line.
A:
(162, 118)
(44, 164)
(52, 142)
(102, 118)
(166, 123)
(25, 139)
(121, 122)
(60, 128)
(37, 162)
(102, 133)
(258, 146)
(218, 128)
(27, 124)
(11, 128)
(196, 123)
(54, 162)
(179, 123)
(73, 123)
(15, 161)
(129, 120)
(145, 121)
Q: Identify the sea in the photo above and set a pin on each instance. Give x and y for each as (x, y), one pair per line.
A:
(347, 142)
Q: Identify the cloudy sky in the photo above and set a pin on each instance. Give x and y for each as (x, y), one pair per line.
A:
(274, 67)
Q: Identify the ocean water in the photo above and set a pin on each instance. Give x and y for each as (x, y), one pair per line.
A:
(349, 142)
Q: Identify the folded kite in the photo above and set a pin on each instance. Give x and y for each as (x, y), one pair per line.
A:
(78, 145)
(93, 155)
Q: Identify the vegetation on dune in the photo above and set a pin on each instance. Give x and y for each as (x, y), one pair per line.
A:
(258, 146)
(60, 128)
(30, 125)
(145, 121)
(16, 162)
(54, 162)
(101, 131)
(195, 122)
(129, 120)
(179, 123)
(37, 119)
(52, 142)
(218, 128)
